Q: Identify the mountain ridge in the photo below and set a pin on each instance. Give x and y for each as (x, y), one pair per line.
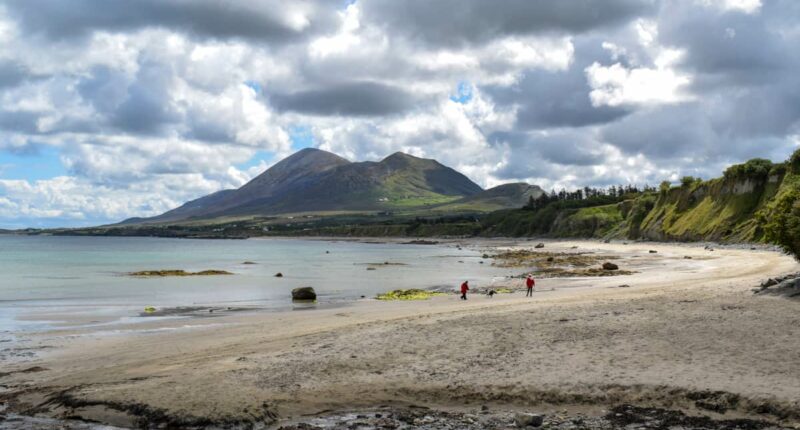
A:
(314, 180)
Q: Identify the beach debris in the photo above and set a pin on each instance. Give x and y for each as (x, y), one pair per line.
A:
(421, 242)
(539, 245)
(177, 272)
(624, 286)
(528, 420)
(409, 294)
(619, 417)
(149, 309)
(249, 262)
(687, 257)
(653, 251)
(610, 266)
(371, 268)
(279, 275)
(34, 369)
(304, 293)
(788, 285)
(485, 256)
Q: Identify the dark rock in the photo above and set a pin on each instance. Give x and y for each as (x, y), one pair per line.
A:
(653, 251)
(687, 257)
(279, 275)
(485, 256)
(304, 293)
(610, 266)
(539, 245)
(624, 286)
(528, 420)
(301, 426)
(769, 282)
(249, 262)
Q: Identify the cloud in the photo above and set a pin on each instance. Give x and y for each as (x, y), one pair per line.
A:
(266, 20)
(474, 22)
(617, 85)
(345, 99)
(558, 98)
(150, 103)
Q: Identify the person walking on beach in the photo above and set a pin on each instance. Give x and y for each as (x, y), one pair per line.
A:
(530, 283)
(464, 289)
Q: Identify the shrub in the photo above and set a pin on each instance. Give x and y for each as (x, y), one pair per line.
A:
(757, 168)
(783, 222)
(664, 187)
(794, 162)
(778, 169)
(687, 181)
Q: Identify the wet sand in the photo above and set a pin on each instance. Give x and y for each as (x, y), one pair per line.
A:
(687, 334)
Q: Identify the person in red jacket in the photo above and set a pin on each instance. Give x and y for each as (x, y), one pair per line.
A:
(530, 283)
(464, 289)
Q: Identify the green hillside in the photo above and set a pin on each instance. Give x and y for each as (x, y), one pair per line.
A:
(752, 202)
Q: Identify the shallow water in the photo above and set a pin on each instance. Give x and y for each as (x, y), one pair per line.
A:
(49, 282)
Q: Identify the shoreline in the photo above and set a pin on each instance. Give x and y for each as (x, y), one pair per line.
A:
(684, 330)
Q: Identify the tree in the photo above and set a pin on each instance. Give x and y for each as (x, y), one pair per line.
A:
(687, 181)
(782, 224)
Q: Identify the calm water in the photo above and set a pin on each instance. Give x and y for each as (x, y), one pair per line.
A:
(83, 277)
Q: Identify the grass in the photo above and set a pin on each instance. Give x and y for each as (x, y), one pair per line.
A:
(410, 294)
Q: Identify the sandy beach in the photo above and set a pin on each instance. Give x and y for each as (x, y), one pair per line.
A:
(685, 333)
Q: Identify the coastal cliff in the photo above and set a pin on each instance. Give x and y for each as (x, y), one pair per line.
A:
(754, 202)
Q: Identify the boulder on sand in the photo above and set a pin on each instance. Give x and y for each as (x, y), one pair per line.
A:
(539, 245)
(279, 275)
(610, 266)
(304, 293)
(528, 420)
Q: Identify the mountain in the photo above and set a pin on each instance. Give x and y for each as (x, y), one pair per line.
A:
(514, 195)
(313, 180)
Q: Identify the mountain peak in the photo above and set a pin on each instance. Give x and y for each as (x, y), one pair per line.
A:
(313, 153)
(401, 156)
(401, 160)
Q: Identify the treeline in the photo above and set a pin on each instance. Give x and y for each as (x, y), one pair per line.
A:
(590, 196)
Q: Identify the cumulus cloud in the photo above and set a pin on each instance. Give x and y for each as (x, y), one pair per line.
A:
(268, 20)
(150, 103)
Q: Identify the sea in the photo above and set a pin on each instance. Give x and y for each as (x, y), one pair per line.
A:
(48, 282)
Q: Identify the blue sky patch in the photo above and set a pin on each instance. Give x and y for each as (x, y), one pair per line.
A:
(254, 85)
(463, 93)
(301, 137)
(44, 164)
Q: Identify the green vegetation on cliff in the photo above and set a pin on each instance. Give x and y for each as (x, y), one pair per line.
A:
(757, 201)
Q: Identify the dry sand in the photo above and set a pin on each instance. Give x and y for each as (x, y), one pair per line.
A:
(687, 334)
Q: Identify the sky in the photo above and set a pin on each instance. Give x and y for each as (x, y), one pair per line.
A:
(119, 108)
